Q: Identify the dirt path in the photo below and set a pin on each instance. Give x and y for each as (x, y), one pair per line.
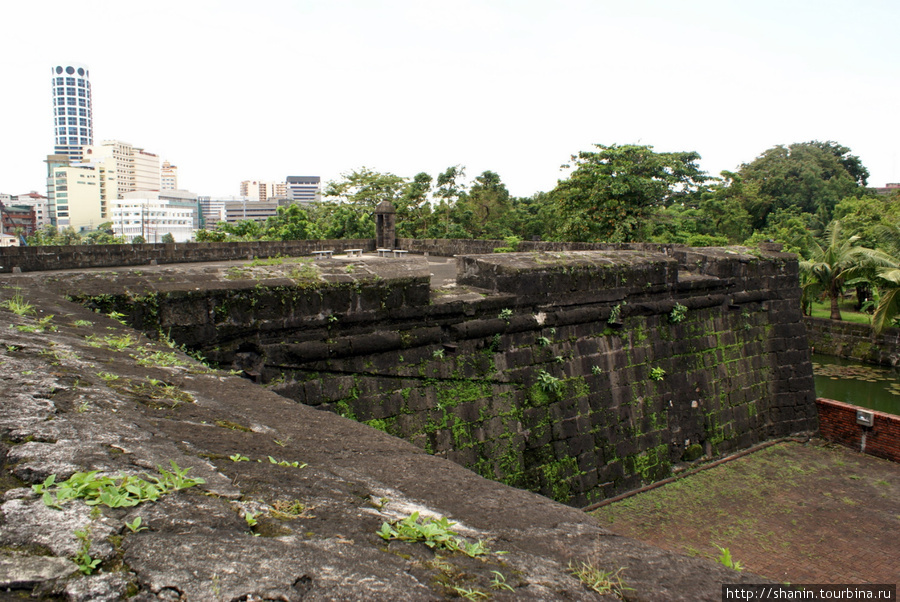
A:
(798, 513)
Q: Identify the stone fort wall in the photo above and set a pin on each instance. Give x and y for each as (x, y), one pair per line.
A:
(73, 257)
(853, 341)
(577, 374)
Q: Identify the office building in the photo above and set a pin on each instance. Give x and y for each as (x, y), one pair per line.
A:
(304, 189)
(73, 120)
(259, 211)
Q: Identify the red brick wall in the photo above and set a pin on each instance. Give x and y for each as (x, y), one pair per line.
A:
(837, 423)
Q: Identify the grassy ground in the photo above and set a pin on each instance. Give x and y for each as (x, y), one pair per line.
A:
(799, 513)
(848, 312)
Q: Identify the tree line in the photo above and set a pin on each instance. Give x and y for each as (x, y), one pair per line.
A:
(810, 196)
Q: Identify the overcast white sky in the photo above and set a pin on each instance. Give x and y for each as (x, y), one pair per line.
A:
(241, 90)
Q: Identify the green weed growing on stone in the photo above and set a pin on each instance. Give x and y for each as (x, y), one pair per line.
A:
(596, 370)
(122, 491)
(108, 377)
(543, 341)
(18, 305)
(615, 314)
(80, 323)
(135, 525)
(505, 314)
(115, 343)
(285, 463)
(44, 324)
(548, 382)
(726, 560)
(436, 533)
(678, 313)
(238, 458)
(117, 316)
(82, 557)
(499, 581)
(657, 374)
(602, 582)
(471, 593)
(160, 358)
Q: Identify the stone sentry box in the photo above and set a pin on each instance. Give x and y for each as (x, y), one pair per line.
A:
(574, 374)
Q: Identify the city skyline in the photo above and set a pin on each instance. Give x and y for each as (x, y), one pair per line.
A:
(404, 87)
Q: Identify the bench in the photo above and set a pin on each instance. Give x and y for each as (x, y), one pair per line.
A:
(353, 252)
(385, 252)
(400, 252)
(323, 254)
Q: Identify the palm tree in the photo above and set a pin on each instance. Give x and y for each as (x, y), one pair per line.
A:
(839, 261)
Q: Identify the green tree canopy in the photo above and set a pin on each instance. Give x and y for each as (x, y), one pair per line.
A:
(810, 177)
(868, 216)
(342, 220)
(413, 207)
(488, 202)
(366, 188)
(611, 192)
(289, 223)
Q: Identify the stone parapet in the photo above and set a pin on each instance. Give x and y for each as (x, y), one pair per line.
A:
(34, 259)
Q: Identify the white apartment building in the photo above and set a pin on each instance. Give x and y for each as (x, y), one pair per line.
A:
(153, 214)
(137, 169)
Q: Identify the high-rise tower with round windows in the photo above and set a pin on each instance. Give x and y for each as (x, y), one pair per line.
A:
(73, 120)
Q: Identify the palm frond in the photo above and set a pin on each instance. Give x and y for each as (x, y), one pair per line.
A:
(888, 307)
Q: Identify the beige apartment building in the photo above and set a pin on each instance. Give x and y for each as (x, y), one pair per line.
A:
(254, 190)
(168, 176)
(137, 169)
(79, 195)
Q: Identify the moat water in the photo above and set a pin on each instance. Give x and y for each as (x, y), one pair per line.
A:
(866, 385)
